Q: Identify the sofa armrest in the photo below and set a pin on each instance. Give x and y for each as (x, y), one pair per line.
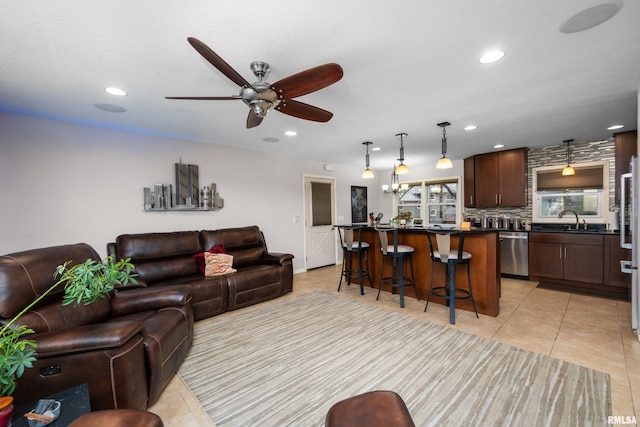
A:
(276, 258)
(99, 336)
(139, 300)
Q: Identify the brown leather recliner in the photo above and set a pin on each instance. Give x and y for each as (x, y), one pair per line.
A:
(166, 259)
(126, 347)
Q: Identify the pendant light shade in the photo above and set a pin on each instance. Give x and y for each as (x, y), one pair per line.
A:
(444, 162)
(402, 169)
(367, 173)
(568, 170)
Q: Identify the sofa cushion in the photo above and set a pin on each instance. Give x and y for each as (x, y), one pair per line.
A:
(254, 284)
(161, 256)
(57, 317)
(246, 244)
(199, 257)
(209, 294)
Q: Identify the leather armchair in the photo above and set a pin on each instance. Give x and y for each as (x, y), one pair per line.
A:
(126, 347)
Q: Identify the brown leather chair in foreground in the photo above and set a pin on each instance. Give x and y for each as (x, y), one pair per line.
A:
(118, 418)
(373, 409)
(126, 347)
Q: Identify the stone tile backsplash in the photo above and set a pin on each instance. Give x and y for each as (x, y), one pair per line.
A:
(581, 152)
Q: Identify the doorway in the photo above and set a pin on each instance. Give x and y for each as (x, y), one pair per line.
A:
(319, 216)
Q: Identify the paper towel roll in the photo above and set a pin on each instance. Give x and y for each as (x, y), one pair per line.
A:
(612, 221)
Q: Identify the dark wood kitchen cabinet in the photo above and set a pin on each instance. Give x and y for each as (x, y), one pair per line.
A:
(500, 179)
(626, 146)
(565, 258)
(613, 253)
(469, 186)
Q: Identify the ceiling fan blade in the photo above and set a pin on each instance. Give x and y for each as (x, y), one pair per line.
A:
(253, 120)
(308, 81)
(205, 98)
(304, 111)
(218, 62)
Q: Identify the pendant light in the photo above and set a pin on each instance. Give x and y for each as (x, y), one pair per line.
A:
(367, 173)
(402, 169)
(568, 170)
(444, 162)
(394, 180)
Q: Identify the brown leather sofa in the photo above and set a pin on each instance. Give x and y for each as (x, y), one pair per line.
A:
(164, 260)
(126, 347)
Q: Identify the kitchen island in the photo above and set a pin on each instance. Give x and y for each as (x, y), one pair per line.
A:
(483, 245)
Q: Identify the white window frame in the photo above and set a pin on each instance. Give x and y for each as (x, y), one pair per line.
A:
(424, 203)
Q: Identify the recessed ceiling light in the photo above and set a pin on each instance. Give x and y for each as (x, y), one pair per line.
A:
(115, 91)
(614, 127)
(498, 146)
(376, 149)
(590, 17)
(291, 133)
(471, 127)
(493, 56)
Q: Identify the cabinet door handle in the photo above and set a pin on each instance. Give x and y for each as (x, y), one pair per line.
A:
(565, 252)
(471, 198)
(560, 252)
(496, 199)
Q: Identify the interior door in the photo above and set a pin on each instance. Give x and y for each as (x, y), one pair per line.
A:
(320, 248)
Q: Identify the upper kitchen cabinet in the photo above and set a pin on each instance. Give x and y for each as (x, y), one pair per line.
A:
(626, 143)
(469, 188)
(499, 179)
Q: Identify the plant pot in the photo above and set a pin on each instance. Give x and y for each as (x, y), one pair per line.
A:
(5, 416)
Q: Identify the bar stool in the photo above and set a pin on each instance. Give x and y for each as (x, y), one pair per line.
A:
(349, 247)
(397, 253)
(451, 258)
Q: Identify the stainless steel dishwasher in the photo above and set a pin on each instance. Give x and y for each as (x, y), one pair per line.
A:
(514, 254)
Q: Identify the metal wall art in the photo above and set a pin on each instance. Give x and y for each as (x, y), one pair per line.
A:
(187, 196)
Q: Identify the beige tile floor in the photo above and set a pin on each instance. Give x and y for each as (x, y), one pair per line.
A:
(589, 331)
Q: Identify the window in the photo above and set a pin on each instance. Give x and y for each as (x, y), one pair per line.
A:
(434, 201)
(586, 203)
(586, 193)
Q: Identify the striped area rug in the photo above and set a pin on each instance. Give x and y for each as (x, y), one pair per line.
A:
(285, 364)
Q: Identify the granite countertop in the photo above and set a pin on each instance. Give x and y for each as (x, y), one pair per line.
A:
(535, 228)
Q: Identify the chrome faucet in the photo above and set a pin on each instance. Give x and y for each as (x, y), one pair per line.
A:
(562, 212)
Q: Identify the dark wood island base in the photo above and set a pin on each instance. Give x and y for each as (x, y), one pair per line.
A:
(483, 245)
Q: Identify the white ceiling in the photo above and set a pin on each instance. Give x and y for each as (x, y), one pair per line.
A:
(407, 66)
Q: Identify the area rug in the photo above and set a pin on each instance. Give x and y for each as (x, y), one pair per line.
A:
(285, 363)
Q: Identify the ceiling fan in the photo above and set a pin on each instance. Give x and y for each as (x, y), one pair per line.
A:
(262, 96)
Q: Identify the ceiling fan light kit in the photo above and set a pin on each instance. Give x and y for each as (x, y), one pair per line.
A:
(262, 97)
(402, 169)
(568, 170)
(367, 173)
(444, 162)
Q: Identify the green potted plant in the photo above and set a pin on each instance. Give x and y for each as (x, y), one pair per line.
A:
(84, 283)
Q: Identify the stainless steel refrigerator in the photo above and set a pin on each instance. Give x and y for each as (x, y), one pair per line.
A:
(629, 234)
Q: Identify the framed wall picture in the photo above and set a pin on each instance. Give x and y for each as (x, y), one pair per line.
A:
(359, 204)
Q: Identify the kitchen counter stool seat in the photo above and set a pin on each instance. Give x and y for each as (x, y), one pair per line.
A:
(349, 248)
(398, 254)
(450, 258)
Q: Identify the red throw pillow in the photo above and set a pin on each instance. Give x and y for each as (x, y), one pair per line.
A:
(218, 249)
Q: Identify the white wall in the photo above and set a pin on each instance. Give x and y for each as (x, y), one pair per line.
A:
(66, 183)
